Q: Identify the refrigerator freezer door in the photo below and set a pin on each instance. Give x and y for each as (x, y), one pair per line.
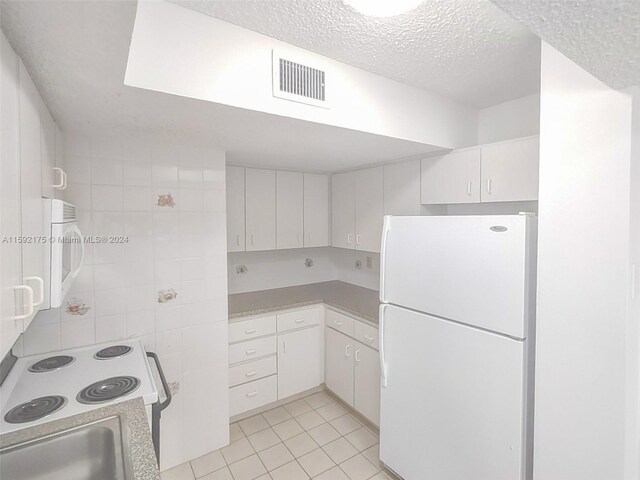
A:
(472, 269)
(453, 406)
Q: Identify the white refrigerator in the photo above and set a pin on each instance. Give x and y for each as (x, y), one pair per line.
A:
(457, 331)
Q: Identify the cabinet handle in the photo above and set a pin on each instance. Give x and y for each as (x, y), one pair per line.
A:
(358, 355)
(250, 331)
(350, 239)
(489, 186)
(29, 311)
(250, 374)
(250, 352)
(337, 322)
(284, 347)
(309, 237)
(469, 188)
(300, 320)
(358, 239)
(252, 242)
(238, 240)
(369, 338)
(40, 283)
(347, 350)
(299, 239)
(251, 394)
(63, 179)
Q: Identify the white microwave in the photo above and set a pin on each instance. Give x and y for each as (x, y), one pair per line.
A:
(65, 253)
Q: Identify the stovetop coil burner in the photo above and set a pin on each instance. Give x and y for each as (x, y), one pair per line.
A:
(108, 389)
(51, 363)
(114, 351)
(35, 409)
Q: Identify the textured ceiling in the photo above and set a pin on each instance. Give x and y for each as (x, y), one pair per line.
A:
(602, 36)
(77, 54)
(467, 50)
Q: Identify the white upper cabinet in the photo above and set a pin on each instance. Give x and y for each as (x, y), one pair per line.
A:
(369, 209)
(10, 220)
(48, 152)
(235, 209)
(451, 178)
(260, 209)
(510, 170)
(498, 172)
(316, 210)
(290, 209)
(343, 210)
(31, 187)
(402, 188)
(357, 209)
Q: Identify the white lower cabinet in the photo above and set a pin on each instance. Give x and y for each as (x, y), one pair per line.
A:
(339, 364)
(367, 382)
(298, 361)
(253, 395)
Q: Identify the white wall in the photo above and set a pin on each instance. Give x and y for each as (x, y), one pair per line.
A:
(116, 183)
(231, 65)
(513, 119)
(363, 276)
(583, 265)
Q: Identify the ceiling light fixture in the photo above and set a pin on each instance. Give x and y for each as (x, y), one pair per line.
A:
(383, 8)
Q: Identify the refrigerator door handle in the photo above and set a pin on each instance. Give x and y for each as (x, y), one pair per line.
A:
(383, 247)
(383, 363)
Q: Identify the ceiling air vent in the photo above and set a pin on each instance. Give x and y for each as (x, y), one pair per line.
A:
(301, 83)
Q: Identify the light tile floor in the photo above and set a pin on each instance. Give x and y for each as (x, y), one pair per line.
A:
(315, 437)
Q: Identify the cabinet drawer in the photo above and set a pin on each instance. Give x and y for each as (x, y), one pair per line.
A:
(340, 322)
(260, 347)
(248, 329)
(253, 395)
(247, 372)
(366, 334)
(298, 319)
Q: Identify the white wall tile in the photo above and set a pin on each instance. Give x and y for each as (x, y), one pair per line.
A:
(191, 269)
(108, 275)
(136, 173)
(106, 198)
(138, 223)
(167, 318)
(78, 194)
(139, 199)
(77, 305)
(165, 153)
(164, 175)
(190, 176)
(111, 327)
(106, 172)
(141, 297)
(77, 332)
(191, 199)
(109, 302)
(78, 169)
(139, 271)
(140, 323)
(108, 223)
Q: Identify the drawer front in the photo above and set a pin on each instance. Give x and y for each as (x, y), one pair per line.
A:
(298, 319)
(339, 322)
(248, 329)
(260, 347)
(247, 372)
(366, 334)
(253, 395)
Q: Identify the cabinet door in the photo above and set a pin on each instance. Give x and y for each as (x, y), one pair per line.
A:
(31, 182)
(451, 178)
(289, 209)
(47, 150)
(10, 252)
(343, 210)
(402, 188)
(235, 209)
(367, 383)
(260, 209)
(316, 210)
(510, 170)
(339, 353)
(369, 209)
(59, 160)
(299, 366)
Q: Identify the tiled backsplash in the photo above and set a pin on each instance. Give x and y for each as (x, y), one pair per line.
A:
(161, 275)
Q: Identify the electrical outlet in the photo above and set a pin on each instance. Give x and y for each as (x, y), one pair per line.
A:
(369, 262)
(358, 264)
(241, 269)
(308, 263)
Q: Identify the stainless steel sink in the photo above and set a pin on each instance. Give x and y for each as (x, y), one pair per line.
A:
(95, 451)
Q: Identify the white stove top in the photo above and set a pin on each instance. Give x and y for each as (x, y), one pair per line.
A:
(23, 385)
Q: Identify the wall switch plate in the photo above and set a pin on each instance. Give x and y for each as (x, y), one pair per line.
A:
(359, 264)
(369, 262)
(242, 269)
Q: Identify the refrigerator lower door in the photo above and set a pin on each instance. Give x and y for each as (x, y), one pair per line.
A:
(452, 400)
